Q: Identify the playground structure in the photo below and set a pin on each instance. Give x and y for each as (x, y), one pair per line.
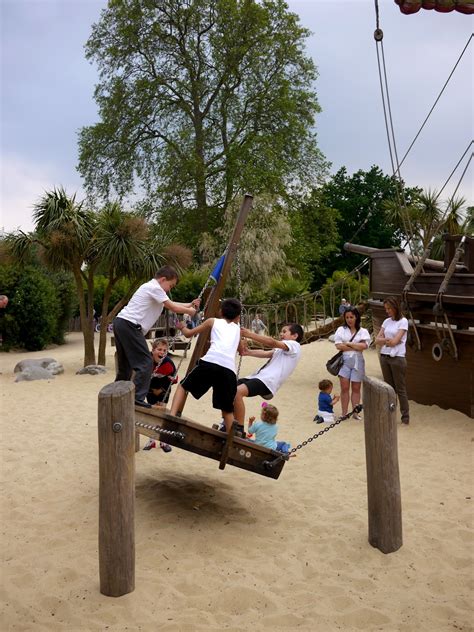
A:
(120, 424)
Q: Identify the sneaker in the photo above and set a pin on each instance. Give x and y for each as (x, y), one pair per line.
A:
(356, 417)
(318, 419)
(151, 443)
(138, 402)
(165, 447)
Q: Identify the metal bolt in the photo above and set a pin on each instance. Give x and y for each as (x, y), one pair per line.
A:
(117, 427)
(391, 407)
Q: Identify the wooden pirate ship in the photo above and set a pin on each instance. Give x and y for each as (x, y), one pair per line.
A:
(438, 300)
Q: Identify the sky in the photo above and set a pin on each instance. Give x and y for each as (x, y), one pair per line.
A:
(46, 93)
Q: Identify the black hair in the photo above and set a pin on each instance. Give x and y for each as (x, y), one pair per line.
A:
(356, 313)
(296, 329)
(230, 308)
(168, 272)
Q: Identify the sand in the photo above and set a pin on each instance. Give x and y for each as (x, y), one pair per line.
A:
(231, 550)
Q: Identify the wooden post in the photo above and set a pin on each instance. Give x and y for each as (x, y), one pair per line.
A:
(383, 477)
(212, 306)
(116, 425)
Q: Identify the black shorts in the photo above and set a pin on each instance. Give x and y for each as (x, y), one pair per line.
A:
(222, 380)
(256, 387)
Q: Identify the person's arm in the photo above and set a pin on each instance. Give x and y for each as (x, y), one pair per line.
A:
(267, 341)
(357, 346)
(251, 420)
(335, 399)
(257, 353)
(183, 308)
(393, 342)
(381, 340)
(189, 333)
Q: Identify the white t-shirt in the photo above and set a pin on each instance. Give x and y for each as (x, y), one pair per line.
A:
(145, 306)
(344, 334)
(280, 366)
(225, 338)
(391, 328)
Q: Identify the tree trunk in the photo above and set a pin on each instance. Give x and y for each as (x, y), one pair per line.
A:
(86, 321)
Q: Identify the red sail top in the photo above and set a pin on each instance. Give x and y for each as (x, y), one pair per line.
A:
(444, 6)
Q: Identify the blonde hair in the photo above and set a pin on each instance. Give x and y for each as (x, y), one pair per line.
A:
(269, 414)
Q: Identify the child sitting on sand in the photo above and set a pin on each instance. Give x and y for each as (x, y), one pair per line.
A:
(326, 402)
(266, 429)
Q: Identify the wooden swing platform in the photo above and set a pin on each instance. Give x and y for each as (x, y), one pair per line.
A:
(205, 441)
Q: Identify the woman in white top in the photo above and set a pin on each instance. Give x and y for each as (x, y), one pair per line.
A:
(352, 339)
(392, 338)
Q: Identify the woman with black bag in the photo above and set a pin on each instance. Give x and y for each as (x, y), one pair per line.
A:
(352, 340)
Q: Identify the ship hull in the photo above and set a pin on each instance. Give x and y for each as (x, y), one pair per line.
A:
(434, 375)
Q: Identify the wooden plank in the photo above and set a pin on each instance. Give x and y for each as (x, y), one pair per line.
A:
(207, 442)
(116, 426)
(383, 478)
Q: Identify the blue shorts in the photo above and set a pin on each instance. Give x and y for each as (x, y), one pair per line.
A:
(354, 375)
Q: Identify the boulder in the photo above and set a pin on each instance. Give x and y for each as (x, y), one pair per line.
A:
(44, 363)
(92, 369)
(31, 373)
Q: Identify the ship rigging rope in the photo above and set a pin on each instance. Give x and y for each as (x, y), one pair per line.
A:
(387, 109)
(437, 99)
(457, 165)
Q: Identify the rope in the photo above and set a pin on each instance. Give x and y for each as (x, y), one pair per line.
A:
(457, 165)
(437, 99)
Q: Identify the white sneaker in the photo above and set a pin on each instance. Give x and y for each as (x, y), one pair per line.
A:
(356, 417)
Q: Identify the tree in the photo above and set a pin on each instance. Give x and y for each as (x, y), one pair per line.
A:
(363, 218)
(314, 227)
(426, 218)
(200, 100)
(112, 242)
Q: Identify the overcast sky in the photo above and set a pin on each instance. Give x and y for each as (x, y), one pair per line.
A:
(47, 93)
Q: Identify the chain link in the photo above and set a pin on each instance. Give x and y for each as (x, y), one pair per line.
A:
(356, 409)
(175, 434)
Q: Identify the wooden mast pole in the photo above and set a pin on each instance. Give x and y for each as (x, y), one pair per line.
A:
(212, 306)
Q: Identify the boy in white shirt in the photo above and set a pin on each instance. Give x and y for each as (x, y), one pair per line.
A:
(133, 322)
(216, 368)
(283, 357)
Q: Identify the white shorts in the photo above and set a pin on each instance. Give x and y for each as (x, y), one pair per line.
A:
(328, 417)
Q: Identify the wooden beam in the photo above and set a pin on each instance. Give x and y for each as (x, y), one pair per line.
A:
(383, 478)
(116, 426)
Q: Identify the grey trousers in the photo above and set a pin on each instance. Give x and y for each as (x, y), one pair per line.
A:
(393, 370)
(133, 355)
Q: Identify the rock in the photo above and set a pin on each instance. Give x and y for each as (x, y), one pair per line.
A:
(44, 363)
(92, 369)
(31, 373)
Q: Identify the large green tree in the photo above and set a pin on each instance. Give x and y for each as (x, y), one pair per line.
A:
(200, 100)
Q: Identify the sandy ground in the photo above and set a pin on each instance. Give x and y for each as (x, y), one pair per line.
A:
(230, 550)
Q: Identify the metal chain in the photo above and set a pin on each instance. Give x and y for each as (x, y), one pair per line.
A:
(286, 456)
(175, 434)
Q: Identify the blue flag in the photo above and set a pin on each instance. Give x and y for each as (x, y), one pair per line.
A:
(216, 273)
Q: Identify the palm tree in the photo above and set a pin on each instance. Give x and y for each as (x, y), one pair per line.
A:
(112, 241)
(63, 233)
